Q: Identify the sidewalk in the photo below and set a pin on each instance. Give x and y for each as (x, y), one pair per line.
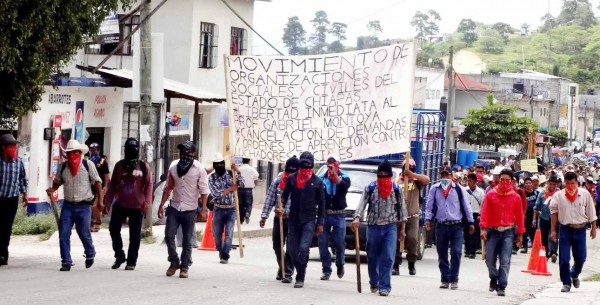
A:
(588, 293)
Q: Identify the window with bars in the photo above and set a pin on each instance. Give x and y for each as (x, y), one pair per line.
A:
(209, 33)
(105, 45)
(238, 44)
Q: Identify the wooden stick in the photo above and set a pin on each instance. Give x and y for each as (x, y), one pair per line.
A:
(405, 191)
(281, 237)
(55, 211)
(483, 249)
(238, 220)
(357, 248)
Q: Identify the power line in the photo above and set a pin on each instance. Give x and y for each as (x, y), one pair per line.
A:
(250, 27)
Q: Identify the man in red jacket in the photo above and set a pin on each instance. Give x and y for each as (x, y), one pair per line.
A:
(502, 210)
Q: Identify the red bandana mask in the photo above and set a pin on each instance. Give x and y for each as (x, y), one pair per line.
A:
(73, 161)
(303, 176)
(571, 192)
(283, 180)
(505, 187)
(384, 184)
(336, 168)
(548, 193)
(11, 151)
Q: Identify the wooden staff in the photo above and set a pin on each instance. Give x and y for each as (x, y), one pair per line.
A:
(357, 248)
(483, 249)
(55, 211)
(237, 211)
(280, 203)
(405, 190)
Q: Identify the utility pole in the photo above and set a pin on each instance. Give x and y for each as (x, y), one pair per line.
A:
(585, 121)
(450, 108)
(146, 119)
(531, 101)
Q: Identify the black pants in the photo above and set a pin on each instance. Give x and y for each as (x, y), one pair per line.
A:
(289, 267)
(135, 216)
(245, 201)
(472, 241)
(8, 211)
(529, 229)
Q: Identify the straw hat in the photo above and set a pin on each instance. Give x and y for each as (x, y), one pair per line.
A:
(73, 145)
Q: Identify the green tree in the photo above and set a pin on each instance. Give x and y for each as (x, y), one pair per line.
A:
(338, 30)
(37, 38)
(558, 137)
(319, 38)
(577, 12)
(294, 36)
(495, 125)
(426, 24)
(504, 29)
(374, 28)
(468, 29)
(491, 41)
(549, 23)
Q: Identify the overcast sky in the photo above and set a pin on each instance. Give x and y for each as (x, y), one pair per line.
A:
(395, 15)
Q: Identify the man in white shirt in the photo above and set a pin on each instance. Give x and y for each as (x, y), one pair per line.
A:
(249, 178)
(475, 196)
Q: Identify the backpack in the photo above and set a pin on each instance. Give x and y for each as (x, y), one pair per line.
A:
(458, 191)
(371, 189)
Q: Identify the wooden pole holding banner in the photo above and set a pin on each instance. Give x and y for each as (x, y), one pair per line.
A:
(280, 203)
(231, 145)
(483, 249)
(405, 189)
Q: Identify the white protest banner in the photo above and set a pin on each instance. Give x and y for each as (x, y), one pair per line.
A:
(354, 105)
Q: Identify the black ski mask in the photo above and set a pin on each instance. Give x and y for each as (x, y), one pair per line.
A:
(132, 154)
(219, 168)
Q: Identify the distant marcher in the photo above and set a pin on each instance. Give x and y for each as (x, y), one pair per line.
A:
(249, 177)
(103, 171)
(13, 184)
(572, 210)
(77, 176)
(131, 190)
(188, 181)
(542, 213)
(475, 196)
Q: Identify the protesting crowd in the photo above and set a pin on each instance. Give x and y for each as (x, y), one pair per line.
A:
(491, 210)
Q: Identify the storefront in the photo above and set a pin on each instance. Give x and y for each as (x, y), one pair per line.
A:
(87, 114)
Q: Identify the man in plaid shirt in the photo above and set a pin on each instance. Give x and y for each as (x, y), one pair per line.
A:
(13, 183)
(275, 189)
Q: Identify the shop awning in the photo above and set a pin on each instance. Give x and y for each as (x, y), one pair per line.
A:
(173, 89)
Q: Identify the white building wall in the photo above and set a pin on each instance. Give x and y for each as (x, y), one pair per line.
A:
(433, 89)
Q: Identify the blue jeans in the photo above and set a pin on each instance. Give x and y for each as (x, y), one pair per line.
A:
(568, 239)
(499, 246)
(335, 226)
(81, 216)
(223, 220)
(449, 236)
(381, 251)
(245, 199)
(185, 219)
(298, 245)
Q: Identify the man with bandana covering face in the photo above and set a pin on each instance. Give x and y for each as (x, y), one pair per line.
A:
(222, 188)
(386, 221)
(304, 197)
(448, 205)
(572, 210)
(276, 187)
(188, 181)
(77, 206)
(131, 190)
(501, 212)
(13, 184)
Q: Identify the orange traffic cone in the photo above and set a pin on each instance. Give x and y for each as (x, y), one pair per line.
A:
(542, 268)
(208, 241)
(535, 250)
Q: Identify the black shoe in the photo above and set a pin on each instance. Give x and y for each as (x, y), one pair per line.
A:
(395, 271)
(500, 292)
(130, 267)
(411, 269)
(493, 285)
(340, 272)
(118, 262)
(3, 261)
(524, 250)
(278, 277)
(514, 251)
(444, 285)
(89, 262)
(325, 276)
(298, 284)
(478, 252)
(553, 258)
(65, 268)
(287, 280)
(427, 246)
(576, 283)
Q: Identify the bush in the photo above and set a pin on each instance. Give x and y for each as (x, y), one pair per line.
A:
(34, 224)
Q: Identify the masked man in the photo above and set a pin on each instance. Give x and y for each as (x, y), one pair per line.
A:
(13, 184)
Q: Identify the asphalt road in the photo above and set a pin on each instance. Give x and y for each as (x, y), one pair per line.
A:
(33, 278)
